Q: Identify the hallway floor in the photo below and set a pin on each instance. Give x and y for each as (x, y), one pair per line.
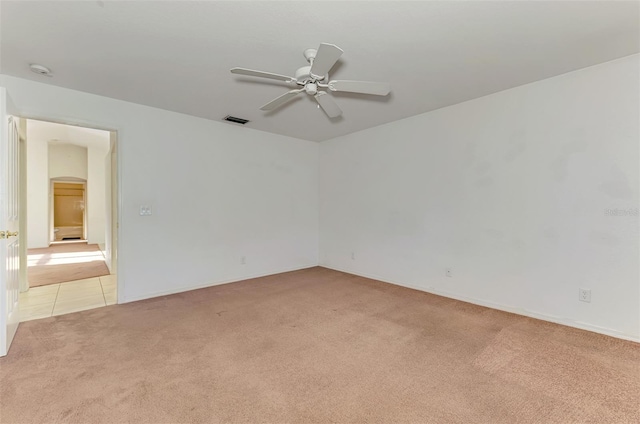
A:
(64, 298)
(63, 262)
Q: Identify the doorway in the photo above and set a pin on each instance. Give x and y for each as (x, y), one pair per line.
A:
(68, 210)
(71, 174)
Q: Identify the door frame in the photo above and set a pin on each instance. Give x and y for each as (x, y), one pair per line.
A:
(22, 193)
(116, 192)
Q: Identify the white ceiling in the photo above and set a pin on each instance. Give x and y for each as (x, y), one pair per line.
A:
(177, 55)
(54, 133)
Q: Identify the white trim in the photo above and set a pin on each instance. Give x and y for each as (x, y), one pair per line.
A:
(215, 283)
(518, 311)
(24, 279)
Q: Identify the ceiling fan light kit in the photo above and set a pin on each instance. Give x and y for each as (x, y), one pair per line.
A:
(314, 77)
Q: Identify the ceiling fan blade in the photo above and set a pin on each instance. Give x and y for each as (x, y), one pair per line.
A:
(327, 104)
(362, 87)
(261, 74)
(326, 57)
(279, 101)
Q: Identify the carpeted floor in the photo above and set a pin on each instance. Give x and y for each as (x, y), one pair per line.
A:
(314, 345)
(65, 262)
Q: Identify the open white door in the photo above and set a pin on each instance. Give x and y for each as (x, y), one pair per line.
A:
(9, 212)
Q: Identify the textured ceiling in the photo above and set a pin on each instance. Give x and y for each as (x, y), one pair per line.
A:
(177, 55)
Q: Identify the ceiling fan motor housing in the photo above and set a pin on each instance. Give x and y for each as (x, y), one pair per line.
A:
(303, 75)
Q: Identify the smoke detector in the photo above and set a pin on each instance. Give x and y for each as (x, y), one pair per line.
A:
(40, 70)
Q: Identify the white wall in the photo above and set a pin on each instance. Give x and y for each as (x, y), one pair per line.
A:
(67, 160)
(96, 192)
(509, 191)
(218, 192)
(37, 193)
(108, 242)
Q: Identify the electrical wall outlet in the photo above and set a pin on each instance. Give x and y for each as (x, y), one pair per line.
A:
(243, 260)
(448, 272)
(353, 256)
(145, 210)
(584, 295)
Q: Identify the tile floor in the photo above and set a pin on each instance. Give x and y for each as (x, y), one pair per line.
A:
(64, 298)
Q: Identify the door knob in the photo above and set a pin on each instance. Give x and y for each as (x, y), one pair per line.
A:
(7, 234)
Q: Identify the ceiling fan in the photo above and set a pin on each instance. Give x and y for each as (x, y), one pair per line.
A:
(315, 77)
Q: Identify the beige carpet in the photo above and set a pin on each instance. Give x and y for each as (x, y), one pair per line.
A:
(65, 262)
(314, 346)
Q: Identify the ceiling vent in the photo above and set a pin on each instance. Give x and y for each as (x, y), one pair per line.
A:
(235, 119)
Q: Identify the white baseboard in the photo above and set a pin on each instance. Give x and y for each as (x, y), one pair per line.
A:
(211, 284)
(517, 311)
